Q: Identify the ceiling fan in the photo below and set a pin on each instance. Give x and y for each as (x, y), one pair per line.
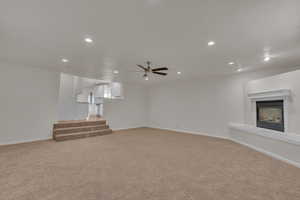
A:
(148, 69)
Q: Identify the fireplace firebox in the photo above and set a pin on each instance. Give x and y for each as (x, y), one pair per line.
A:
(270, 115)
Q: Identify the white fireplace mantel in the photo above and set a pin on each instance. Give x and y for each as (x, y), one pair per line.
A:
(271, 94)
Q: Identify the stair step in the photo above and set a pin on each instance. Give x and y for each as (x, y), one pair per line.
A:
(79, 129)
(70, 136)
(79, 123)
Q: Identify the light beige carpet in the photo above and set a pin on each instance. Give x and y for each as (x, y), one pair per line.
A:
(143, 164)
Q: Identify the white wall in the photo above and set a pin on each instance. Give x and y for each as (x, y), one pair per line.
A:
(290, 80)
(28, 103)
(204, 105)
(124, 113)
(129, 112)
(68, 108)
(285, 147)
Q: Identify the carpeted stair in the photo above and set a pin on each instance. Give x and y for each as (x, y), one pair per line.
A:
(68, 130)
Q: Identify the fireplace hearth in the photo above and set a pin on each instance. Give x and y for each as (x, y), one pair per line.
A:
(270, 115)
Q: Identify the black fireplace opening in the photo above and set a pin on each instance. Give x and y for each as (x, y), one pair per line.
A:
(269, 115)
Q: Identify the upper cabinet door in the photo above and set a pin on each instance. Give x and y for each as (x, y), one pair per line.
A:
(117, 90)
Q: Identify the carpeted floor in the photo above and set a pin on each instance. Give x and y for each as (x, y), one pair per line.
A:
(143, 164)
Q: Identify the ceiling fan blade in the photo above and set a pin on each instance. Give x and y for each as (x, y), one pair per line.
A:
(159, 69)
(142, 67)
(160, 73)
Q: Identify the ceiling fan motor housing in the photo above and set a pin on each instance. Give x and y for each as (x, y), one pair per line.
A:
(147, 69)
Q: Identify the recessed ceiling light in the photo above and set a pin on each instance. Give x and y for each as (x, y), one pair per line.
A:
(267, 58)
(115, 71)
(146, 78)
(178, 73)
(239, 70)
(88, 40)
(231, 63)
(64, 60)
(211, 43)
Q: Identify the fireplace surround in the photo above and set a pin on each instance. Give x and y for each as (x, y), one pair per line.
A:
(270, 115)
(270, 109)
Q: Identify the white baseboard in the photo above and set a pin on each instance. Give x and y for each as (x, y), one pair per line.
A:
(127, 128)
(189, 132)
(291, 138)
(25, 141)
(50, 138)
(273, 155)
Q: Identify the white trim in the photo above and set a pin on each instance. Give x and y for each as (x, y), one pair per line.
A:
(275, 135)
(50, 137)
(273, 155)
(280, 93)
(127, 128)
(189, 132)
(26, 141)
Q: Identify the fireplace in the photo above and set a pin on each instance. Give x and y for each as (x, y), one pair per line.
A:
(270, 115)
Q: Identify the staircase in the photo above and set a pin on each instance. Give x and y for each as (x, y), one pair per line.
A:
(75, 129)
